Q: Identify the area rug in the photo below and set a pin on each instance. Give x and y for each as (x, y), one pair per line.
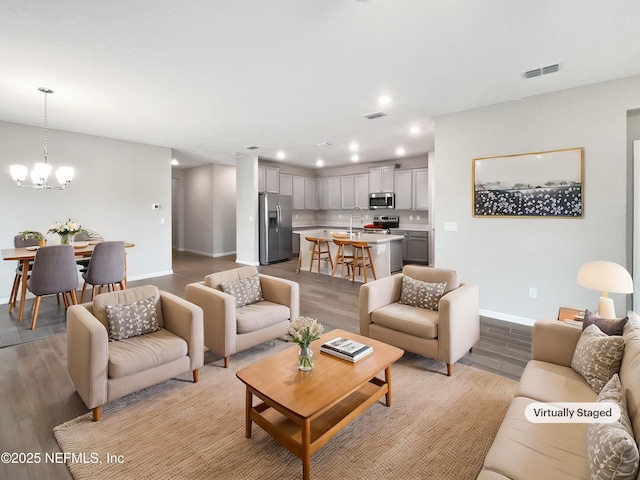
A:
(437, 427)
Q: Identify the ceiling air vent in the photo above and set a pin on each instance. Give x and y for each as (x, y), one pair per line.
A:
(374, 115)
(252, 147)
(323, 144)
(541, 71)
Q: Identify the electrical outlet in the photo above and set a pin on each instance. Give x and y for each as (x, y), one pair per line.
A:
(410, 217)
(533, 292)
(417, 217)
(340, 216)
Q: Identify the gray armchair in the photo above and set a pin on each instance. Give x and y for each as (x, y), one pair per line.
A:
(445, 334)
(103, 370)
(228, 329)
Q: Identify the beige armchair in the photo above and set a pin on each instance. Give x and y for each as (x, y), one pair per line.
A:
(445, 334)
(228, 329)
(103, 370)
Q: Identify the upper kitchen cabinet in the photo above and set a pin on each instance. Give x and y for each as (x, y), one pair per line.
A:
(381, 179)
(268, 179)
(411, 187)
(334, 196)
(298, 192)
(286, 184)
(347, 192)
(362, 190)
(310, 197)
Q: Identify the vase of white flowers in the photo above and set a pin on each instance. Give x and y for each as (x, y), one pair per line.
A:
(67, 231)
(303, 331)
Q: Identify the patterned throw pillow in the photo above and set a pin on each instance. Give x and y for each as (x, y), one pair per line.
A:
(610, 326)
(421, 294)
(131, 320)
(245, 291)
(611, 447)
(597, 356)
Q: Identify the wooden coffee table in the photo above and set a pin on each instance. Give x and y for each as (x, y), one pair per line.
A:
(304, 410)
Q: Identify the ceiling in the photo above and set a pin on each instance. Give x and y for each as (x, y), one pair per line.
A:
(210, 77)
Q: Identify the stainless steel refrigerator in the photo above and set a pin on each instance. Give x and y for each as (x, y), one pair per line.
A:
(275, 227)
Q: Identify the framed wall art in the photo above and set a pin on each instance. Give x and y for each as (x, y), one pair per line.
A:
(542, 184)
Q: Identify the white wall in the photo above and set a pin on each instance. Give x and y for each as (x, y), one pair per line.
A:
(198, 209)
(224, 210)
(115, 184)
(508, 256)
(247, 240)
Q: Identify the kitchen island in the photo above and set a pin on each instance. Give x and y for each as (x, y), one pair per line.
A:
(386, 251)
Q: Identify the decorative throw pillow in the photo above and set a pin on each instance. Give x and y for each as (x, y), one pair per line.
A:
(421, 294)
(610, 326)
(611, 447)
(597, 356)
(131, 320)
(245, 291)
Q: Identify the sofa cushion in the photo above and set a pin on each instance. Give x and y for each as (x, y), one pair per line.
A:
(534, 451)
(433, 275)
(418, 322)
(245, 291)
(611, 448)
(260, 315)
(215, 279)
(144, 352)
(126, 297)
(630, 370)
(421, 294)
(548, 382)
(131, 320)
(597, 356)
(610, 326)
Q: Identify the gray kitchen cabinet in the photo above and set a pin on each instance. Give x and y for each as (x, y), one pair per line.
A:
(322, 185)
(286, 184)
(272, 180)
(310, 197)
(417, 247)
(403, 189)
(361, 183)
(411, 189)
(347, 192)
(298, 192)
(420, 189)
(381, 179)
(334, 185)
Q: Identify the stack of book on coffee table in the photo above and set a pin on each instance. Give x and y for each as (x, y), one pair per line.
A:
(346, 349)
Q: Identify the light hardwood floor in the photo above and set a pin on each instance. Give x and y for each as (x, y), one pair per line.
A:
(37, 394)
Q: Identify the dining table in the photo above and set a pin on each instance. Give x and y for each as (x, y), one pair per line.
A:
(25, 255)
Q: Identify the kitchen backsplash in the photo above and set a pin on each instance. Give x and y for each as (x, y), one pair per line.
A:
(341, 217)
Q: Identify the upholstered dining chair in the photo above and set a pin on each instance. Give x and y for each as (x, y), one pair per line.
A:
(86, 236)
(19, 242)
(105, 268)
(54, 271)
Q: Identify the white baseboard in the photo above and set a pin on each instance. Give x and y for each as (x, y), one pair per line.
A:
(247, 262)
(508, 318)
(223, 254)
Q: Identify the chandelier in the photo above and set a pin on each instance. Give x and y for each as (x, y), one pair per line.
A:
(41, 171)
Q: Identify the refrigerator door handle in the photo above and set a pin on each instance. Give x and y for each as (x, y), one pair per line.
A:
(278, 218)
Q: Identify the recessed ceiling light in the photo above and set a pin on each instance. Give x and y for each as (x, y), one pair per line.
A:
(175, 162)
(353, 146)
(319, 162)
(414, 130)
(384, 100)
(400, 151)
(281, 155)
(355, 157)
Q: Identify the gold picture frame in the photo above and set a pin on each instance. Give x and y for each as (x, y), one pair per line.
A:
(540, 184)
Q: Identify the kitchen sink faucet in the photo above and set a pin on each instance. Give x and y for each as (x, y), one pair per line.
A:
(351, 220)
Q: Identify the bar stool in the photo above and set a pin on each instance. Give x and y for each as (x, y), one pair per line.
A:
(341, 257)
(362, 259)
(318, 243)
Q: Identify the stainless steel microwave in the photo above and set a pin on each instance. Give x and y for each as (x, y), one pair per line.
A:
(382, 200)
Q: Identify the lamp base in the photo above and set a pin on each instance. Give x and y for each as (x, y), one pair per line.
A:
(606, 308)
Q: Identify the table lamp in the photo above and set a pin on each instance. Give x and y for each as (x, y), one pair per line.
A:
(606, 277)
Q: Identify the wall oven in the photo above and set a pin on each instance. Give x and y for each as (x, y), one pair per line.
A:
(382, 200)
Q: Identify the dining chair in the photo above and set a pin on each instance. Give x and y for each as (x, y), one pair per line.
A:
(19, 242)
(54, 271)
(86, 236)
(105, 268)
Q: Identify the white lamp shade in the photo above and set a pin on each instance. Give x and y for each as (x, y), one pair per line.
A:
(40, 173)
(64, 175)
(606, 277)
(18, 172)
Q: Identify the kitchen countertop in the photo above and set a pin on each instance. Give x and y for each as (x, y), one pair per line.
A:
(411, 227)
(363, 237)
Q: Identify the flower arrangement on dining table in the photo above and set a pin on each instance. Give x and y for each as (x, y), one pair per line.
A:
(303, 331)
(67, 230)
